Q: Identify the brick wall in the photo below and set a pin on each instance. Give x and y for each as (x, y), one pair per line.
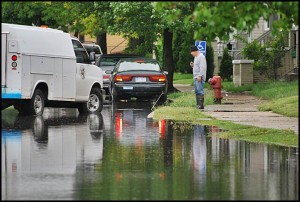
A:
(115, 43)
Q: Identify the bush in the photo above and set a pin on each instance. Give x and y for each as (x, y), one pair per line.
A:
(226, 67)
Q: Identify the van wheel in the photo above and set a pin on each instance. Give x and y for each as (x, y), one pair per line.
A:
(94, 104)
(35, 106)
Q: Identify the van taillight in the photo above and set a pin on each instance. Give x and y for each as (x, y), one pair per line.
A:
(14, 58)
(14, 63)
(158, 78)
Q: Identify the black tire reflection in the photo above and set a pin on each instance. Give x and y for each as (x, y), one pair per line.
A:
(34, 123)
(95, 124)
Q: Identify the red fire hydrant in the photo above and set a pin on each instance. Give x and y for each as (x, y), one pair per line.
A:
(216, 84)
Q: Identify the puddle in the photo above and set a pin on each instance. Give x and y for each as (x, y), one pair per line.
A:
(123, 155)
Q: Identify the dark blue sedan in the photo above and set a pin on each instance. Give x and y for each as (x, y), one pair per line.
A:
(140, 78)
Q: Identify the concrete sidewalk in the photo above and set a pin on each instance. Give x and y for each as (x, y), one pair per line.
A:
(242, 108)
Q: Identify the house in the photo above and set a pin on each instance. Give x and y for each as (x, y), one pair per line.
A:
(115, 43)
(262, 33)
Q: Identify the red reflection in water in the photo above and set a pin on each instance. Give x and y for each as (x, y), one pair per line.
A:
(118, 125)
(118, 176)
(162, 128)
(162, 175)
(215, 129)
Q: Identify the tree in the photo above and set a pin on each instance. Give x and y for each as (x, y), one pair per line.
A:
(25, 13)
(219, 19)
(226, 67)
(136, 22)
(97, 17)
(181, 50)
(209, 61)
(171, 27)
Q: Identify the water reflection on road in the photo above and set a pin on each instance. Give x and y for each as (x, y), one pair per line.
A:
(121, 154)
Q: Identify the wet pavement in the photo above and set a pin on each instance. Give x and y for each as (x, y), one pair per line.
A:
(242, 108)
(121, 154)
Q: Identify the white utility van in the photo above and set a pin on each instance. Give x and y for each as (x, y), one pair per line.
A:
(44, 67)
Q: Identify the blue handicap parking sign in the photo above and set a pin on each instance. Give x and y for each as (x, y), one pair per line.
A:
(201, 45)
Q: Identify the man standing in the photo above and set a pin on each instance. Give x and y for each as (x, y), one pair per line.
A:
(199, 74)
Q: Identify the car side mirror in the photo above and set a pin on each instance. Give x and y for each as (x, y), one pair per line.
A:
(166, 72)
(108, 71)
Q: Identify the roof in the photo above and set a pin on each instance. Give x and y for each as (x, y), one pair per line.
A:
(39, 41)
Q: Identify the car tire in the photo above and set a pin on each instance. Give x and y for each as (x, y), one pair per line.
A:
(94, 103)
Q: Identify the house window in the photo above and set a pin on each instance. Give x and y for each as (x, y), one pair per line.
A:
(267, 25)
(249, 37)
(294, 41)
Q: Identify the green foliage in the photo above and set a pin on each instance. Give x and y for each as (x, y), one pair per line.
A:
(263, 135)
(210, 61)
(180, 76)
(228, 86)
(136, 22)
(287, 106)
(220, 19)
(181, 51)
(267, 58)
(226, 67)
(268, 90)
(276, 89)
(24, 13)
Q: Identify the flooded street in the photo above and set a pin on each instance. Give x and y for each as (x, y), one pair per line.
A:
(121, 154)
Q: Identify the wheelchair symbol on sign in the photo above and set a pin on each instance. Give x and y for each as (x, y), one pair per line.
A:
(200, 47)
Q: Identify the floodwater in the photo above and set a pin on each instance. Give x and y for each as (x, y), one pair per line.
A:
(121, 154)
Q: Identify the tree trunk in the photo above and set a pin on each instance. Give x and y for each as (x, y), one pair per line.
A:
(168, 61)
(81, 38)
(101, 41)
(76, 34)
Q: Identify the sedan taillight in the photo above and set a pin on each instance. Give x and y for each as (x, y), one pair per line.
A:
(158, 78)
(120, 78)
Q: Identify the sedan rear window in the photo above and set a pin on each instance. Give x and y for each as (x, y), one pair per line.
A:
(109, 61)
(129, 66)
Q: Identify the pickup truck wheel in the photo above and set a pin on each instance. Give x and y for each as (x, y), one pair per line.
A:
(94, 104)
